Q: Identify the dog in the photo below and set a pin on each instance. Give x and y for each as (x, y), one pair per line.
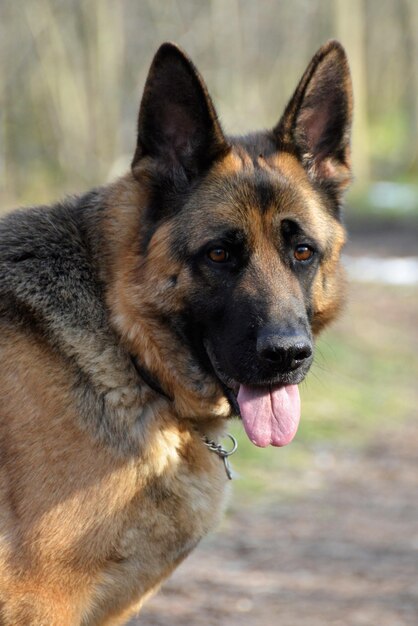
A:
(136, 319)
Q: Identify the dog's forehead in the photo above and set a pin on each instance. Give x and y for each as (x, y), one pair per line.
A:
(246, 190)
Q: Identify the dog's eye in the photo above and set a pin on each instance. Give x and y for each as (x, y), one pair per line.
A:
(303, 252)
(218, 255)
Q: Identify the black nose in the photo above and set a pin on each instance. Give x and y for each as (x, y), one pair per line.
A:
(285, 350)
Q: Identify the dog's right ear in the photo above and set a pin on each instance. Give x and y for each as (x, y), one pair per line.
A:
(177, 125)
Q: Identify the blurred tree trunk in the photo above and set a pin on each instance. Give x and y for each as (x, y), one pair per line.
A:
(104, 51)
(2, 136)
(410, 24)
(350, 28)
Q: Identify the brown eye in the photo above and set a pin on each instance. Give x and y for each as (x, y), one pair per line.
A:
(303, 253)
(218, 255)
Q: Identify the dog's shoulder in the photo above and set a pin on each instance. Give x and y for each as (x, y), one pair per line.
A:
(52, 294)
(46, 259)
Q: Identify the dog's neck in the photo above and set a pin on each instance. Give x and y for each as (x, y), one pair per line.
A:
(140, 298)
(213, 446)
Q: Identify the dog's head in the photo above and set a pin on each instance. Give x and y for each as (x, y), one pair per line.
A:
(240, 237)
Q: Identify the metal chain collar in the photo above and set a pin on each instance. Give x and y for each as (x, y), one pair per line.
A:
(221, 452)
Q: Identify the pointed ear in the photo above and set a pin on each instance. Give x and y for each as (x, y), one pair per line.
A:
(177, 125)
(317, 120)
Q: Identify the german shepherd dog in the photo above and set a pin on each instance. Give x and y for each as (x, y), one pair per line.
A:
(137, 318)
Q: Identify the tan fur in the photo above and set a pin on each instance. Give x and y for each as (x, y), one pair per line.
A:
(81, 555)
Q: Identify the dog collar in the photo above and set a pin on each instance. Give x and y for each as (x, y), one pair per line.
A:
(217, 448)
(222, 453)
(148, 378)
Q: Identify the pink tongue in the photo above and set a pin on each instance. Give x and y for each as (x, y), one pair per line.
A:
(270, 416)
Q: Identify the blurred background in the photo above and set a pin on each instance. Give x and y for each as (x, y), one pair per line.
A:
(324, 531)
(72, 74)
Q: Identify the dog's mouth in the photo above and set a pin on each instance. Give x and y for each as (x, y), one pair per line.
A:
(270, 413)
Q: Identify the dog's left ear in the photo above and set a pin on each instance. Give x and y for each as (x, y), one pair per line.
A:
(177, 126)
(317, 119)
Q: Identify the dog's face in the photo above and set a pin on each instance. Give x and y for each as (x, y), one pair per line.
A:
(246, 231)
(253, 245)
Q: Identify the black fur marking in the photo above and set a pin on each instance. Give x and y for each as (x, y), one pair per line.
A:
(266, 191)
(149, 379)
(177, 125)
(294, 233)
(261, 143)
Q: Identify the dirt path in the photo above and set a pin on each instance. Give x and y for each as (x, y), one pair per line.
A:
(344, 553)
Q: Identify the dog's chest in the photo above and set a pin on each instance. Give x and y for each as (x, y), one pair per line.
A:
(163, 524)
(171, 518)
